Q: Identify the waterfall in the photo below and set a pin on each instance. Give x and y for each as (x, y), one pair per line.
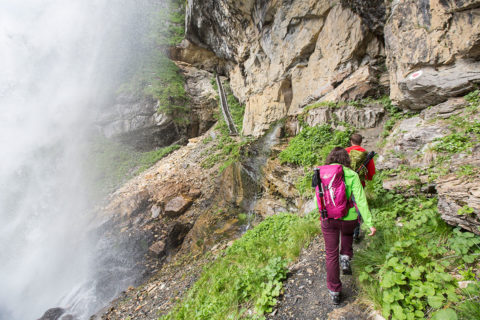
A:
(59, 60)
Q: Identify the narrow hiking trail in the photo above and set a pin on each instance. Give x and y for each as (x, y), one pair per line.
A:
(306, 295)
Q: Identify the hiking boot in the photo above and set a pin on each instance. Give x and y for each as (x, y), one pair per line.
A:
(336, 297)
(345, 264)
(356, 235)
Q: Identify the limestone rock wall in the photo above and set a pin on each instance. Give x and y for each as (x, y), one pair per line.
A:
(284, 55)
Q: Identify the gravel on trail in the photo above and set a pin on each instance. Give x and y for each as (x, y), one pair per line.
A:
(306, 295)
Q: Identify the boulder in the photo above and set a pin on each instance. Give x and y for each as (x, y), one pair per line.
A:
(177, 206)
(429, 86)
(158, 248)
(455, 193)
(427, 60)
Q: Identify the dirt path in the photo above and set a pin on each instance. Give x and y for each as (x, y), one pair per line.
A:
(306, 296)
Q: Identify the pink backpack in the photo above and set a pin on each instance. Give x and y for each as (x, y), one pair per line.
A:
(330, 191)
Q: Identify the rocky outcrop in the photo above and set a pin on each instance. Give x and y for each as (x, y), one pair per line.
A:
(285, 56)
(135, 119)
(409, 143)
(203, 102)
(197, 57)
(444, 110)
(459, 195)
(368, 116)
(428, 60)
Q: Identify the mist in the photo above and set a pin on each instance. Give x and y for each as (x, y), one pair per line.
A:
(60, 63)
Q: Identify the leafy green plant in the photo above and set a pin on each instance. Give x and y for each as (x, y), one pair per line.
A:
(406, 268)
(249, 274)
(312, 145)
(453, 143)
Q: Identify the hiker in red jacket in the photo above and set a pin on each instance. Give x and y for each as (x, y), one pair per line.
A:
(358, 155)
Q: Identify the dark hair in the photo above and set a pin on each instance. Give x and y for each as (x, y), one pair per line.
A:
(356, 139)
(338, 155)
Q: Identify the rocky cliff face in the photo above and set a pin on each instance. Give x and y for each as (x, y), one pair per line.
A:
(284, 55)
(135, 119)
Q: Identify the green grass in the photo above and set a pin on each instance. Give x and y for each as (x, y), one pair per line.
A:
(249, 275)
(311, 146)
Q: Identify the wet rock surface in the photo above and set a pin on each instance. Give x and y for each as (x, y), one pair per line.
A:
(53, 314)
(134, 118)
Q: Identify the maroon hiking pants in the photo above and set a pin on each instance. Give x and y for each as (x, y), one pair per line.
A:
(334, 230)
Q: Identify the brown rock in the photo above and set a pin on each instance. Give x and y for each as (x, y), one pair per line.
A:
(158, 248)
(196, 56)
(177, 206)
(360, 84)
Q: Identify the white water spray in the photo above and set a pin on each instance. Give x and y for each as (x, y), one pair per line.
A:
(50, 81)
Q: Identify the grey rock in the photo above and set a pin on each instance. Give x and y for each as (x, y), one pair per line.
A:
(453, 106)
(439, 39)
(155, 211)
(429, 86)
(409, 143)
(366, 117)
(455, 192)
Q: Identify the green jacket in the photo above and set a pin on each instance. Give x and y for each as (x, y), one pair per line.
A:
(353, 184)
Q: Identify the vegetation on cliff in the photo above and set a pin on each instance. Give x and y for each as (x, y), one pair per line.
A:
(227, 149)
(245, 281)
(157, 77)
(407, 268)
(310, 147)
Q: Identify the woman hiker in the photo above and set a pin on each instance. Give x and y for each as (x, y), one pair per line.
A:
(342, 228)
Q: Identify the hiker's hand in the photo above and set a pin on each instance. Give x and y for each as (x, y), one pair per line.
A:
(372, 231)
